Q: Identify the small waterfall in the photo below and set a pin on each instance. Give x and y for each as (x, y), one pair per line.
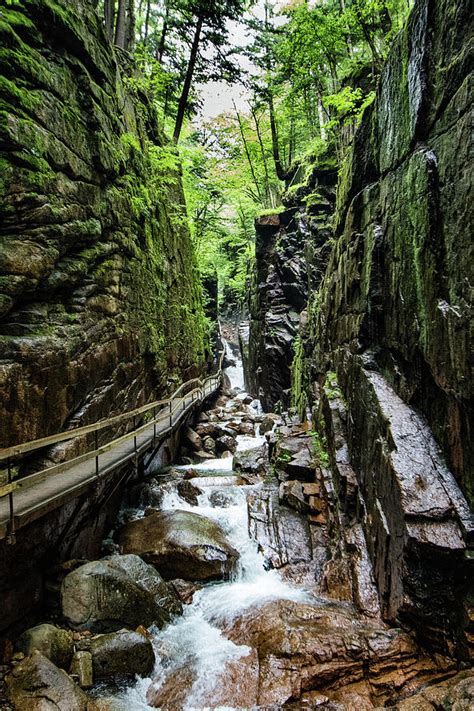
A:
(194, 643)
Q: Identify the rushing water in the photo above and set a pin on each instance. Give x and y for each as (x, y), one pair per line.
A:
(194, 641)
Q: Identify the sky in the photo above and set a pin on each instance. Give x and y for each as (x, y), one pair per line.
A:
(218, 97)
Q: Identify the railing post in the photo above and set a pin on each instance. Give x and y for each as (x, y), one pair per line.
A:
(11, 539)
(135, 436)
(96, 456)
(154, 426)
(171, 414)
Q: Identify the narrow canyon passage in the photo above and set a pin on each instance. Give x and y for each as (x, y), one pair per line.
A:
(194, 655)
(236, 376)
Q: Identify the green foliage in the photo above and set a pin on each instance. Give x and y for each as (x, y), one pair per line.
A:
(320, 450)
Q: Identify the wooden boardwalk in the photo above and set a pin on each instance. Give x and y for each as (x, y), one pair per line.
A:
(29, 498)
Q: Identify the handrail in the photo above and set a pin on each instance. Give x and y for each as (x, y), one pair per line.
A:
(32, 445)
(181, 397)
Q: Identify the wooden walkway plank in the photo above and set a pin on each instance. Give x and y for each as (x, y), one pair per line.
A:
(41, 492)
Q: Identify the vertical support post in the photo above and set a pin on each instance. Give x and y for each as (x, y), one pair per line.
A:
(96, 456)
(135, 436)
(154, 426)
(171, 415)
(11, 525)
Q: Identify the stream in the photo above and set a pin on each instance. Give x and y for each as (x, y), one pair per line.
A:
(194, 642)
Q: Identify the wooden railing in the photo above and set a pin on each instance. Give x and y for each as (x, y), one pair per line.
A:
(160, 416)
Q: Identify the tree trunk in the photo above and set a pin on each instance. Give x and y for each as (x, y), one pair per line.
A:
(280, 171)
(147, 19)
(183, 101)
(120, 28)
(130, 27)
(109, 17)
(161, 47)
(264, 157)
(247, 153)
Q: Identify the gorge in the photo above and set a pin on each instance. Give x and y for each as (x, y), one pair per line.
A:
(301, 536)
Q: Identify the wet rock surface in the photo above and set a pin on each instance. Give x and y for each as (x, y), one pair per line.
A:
(282, 535)
(181, 544)
(116, 592)
(121, 654)
(54, 643)
(37, 684)
(303, 647)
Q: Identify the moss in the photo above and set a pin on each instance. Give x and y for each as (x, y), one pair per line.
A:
(320, 449)
(331, 386)
(271, 211)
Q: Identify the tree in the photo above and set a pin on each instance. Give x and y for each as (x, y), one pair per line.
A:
(209, 18)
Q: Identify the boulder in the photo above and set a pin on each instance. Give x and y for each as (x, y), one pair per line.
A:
(81, 668)
(121, 653)
(37, 684)
(188, 492)
(252, 464)
(192, 439)
(268, 423)
(54, 643)
(116, 592)
(181, 544)
(226, 443)
(209, 445)
(185, 590)
(209, 429)
(202, 455)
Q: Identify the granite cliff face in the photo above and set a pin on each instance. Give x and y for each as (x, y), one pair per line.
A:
(291, 253)
(382, 354)
(99, 298)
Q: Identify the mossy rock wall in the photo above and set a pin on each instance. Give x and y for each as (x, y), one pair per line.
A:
(392, 318)
(398, 282)
(100, 302)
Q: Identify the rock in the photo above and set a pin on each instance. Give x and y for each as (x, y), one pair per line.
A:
(202, 455)
(268, 423)
(226, 443)
(116, 592)
(252, 464)
(185, 590)
(246, 428)
(221, 499)
(192, 439)
(209, 429)
(203, 417)
(456, 693)
(209, 445)
(37, 684)
(295, 455)
(235, 686)
(81, 666)
(291, 493)
(54, 643)
(121, 654)
(189, 492)
(181, 544)
(303, 647)
(282, 535)
(80, 293)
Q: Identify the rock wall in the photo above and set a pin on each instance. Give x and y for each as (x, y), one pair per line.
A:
(291, 252)
(389, 330)
(100, 303)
